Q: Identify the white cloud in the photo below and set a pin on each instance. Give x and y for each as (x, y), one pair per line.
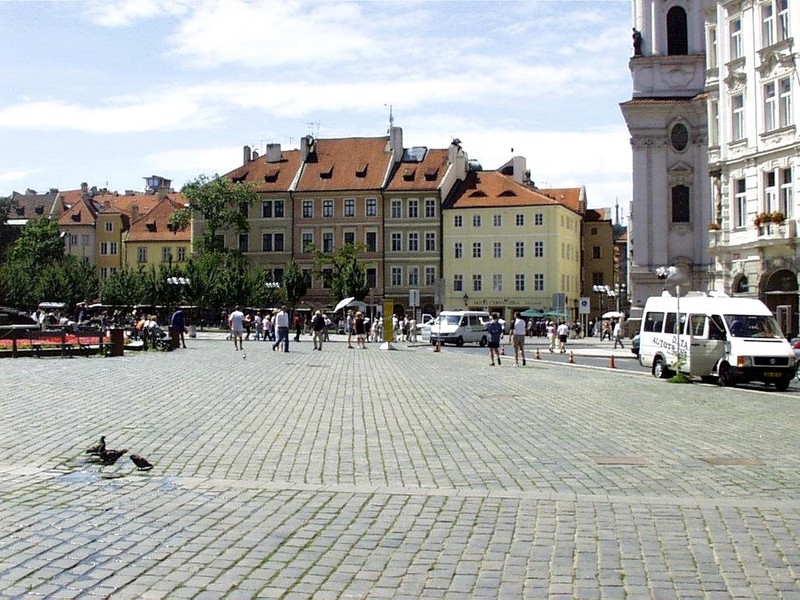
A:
(123, 13)
(191, 162)
(17, 174)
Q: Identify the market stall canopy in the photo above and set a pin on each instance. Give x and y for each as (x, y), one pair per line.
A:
(612, 314)
(532, 312)
(343, 303)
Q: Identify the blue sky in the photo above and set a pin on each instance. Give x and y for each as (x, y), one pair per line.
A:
(110, 92)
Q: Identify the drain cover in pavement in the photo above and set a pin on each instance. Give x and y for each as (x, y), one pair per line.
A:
(620, 460)
(726, 461)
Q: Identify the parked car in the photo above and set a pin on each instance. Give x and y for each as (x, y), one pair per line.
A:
(635, 345)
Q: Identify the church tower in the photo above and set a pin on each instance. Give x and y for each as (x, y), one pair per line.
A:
(671, 204)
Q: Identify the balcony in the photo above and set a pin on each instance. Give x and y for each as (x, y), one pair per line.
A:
(777, 231)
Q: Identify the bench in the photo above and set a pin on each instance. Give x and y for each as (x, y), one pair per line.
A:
(43, 343)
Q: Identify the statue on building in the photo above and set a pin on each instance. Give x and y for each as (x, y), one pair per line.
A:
(637, 42)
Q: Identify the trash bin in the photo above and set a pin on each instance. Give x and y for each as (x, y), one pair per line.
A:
(117, 338)
(192, 331)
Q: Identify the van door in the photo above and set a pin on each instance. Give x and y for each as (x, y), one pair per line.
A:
(706, 344)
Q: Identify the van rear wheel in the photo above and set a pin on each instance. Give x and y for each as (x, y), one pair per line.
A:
(460, 341)
(726, 375)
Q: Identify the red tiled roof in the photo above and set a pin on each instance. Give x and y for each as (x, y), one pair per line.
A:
(424, 175)
(345, 164)
(491, 188)
(269, 176)
(152, 226)
(569, 197)
(81, 212)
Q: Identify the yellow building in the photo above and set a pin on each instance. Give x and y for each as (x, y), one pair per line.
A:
(510, 247)
(152, 241)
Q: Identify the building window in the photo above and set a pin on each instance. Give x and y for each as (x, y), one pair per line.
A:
(413, 276)
(244, 242)
(279, 209)
(306, 241)
(266, 209)
(735, 26)
(350, 237)
(476, 220)
(783, 20)
(477, 283)
(103, 248)
(181, 254)
(397, 276)
(458, 282)
(519, 282)
(497, 282)
(457, 221)
(73, 239)
(430, 241)
(103, 272)
(458, 250)
(272, 208)
(680, 204)
(520, 220)
(327, 241)
(497, 220)
(244, 209)
(711, 48)
(597, 252)
(413, 209)
(767, 25)
(597, 278)
(785, 102)
(166, 254)
(413, 242)
(272, 242)
(109, 227)
(430, 275)
(713, 123)
(770, 192)
(740, 203)
(308, 209)
(372, 241)
(476, 249)
(538, 219)
(349, 207)
(538, 282)
(372, 207)
(737, 120)
(786, 202)
(372, 277)
(327, 209)
(397, 242)
(430, 208)
(519, 249)
(85, 239)
(141, 254)
(538, 249)
(497, 249)
(677, 32)
(397, 209)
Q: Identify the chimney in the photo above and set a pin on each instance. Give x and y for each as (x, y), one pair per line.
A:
(273, 153)
(247, 155)
(134, 212)
(520, 167)
(163, 190)
(255, 154)
(84, 187)
(306, 147)
(396, 143)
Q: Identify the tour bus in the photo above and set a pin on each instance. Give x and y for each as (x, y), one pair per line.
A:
(460, 327)
(721, 339)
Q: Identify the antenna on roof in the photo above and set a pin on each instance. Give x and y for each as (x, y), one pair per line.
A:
(391, 116)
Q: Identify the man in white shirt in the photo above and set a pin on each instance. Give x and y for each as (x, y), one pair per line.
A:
(282, 327)
(563, 334)
(618, 334)
(518, 339)
(236, 323)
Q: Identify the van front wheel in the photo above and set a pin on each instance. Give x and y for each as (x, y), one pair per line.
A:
(659, 370)
(460, 341)
(726, 375)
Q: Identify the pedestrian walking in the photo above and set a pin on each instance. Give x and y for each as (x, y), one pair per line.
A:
(318, 330)
(360, 329)
(236, 324)
(282, 327)
(495, 330)
(551, 336)
(518, 339)
(563, 334)
(618, 334)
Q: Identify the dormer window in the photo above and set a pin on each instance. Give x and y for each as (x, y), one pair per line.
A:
(39, 210)
(151, 225)
(478, 194)
(362, 170)
(408, 174)
(241, 179)
(76, 217)
(272, 175)
(326, 173)
(20, 211)
(507, 193)
(431, 174)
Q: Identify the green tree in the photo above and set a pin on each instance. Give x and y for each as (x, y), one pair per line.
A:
(125, 287)
(294, 283)
(220, 203)
(39, 243)
(343, 272)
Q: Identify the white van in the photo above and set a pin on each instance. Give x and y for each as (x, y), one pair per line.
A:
(729, 340)
(460, 327)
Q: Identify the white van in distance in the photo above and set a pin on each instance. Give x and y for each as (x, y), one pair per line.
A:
(724, 339)
(460, 327)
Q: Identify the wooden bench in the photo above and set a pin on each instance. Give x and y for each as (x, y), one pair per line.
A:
(44, 343)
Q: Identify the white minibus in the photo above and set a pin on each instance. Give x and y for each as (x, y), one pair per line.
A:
(460, 327)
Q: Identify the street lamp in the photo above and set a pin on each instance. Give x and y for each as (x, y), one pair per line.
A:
(466, 299)
(675, 276)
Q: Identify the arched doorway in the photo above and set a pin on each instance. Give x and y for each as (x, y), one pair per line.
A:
(779, 293)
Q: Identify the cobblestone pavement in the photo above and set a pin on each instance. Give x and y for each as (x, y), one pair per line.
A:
(391, 474)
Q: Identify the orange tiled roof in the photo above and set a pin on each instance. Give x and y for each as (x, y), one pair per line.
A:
(491, 188)
(345, 164)
(269, 176)
(152, 226)
(569, 197)
(80, 212)
(423, 175)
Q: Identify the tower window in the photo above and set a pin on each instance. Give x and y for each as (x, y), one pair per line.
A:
(677, 31)
(680, 204)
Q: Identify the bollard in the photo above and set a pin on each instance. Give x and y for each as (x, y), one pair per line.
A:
(537, 355)
(438, 346)
(611, 363)
(571, 358)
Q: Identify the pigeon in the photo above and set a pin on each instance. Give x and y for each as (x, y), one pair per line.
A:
(99, 447)
(141, 462)
(109, 457)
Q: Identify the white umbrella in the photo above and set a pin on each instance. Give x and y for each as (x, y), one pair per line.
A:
(612, 314)
(342, 304)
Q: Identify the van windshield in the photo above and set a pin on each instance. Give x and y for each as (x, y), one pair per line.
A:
(753, 326)
(449, 319)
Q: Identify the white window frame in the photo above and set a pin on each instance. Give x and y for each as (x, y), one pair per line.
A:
(458, 282)
(497, 249)
(519, 249)
(786, 193)
(397, 209)
(497, 282)
(740, 202)
(519, 282)
(737, 117)
(458, 250)
(413, 208)
(396, 240)
(735, 27)
(413, 242)
(476, 249)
